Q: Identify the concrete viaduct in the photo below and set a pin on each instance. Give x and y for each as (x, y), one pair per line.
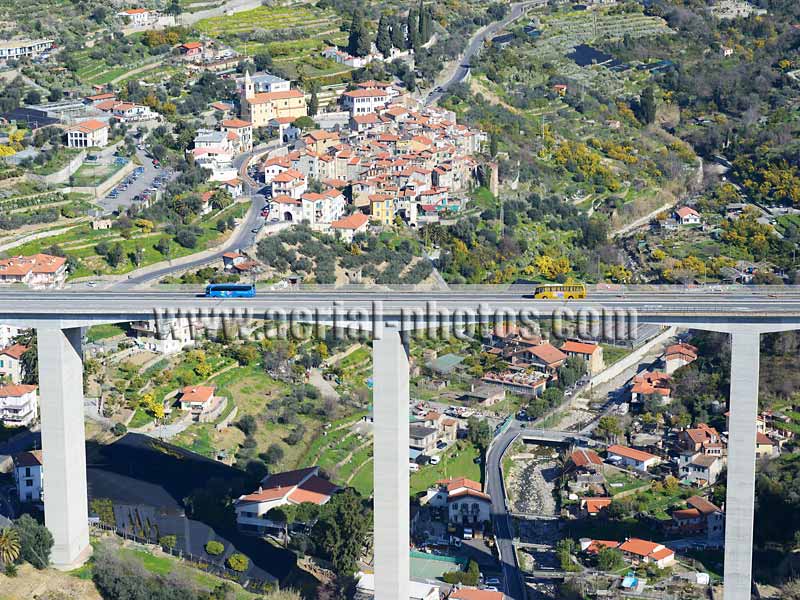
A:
(59, 316)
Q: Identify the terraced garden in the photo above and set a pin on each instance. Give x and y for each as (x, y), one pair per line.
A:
(294, 35)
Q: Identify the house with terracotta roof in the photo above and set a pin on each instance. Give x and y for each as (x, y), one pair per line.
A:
(29, 476)
(202, 402)
(765, 446)
(584, 459)
(138, 17)
(464, 499)
(19, 405)
(635, 550)
(349, 226)
(591, 507)
(39, 271)
(289, 183)
(591, 352)
(11, 362)
(701, 516)
(191, 49)
(686, 215)
(650, 384)
(281, 489)
(677, 356)
(631, 457)
(88, 134)
(240, 134)
(466, 593)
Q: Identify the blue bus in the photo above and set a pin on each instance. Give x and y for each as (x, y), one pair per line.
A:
(230, 290)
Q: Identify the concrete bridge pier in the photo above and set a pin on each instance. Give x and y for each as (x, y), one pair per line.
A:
(391, 431)
(740, 499)
(63, 444)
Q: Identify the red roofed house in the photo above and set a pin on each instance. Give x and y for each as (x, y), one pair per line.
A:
(699, 517)
(687, 216)
(261, 108)
(475, 594)
(202, 402)
(88, 134)
(37, 271)
(678, 355)
(584, 459)
(589, 351)
(639, 550)
(11, 362)
(765, 447)
(138, 17)
(650, 383)
(466, 503)
(545, 356)
(592, 506)
(191, 48)
(630, 457)
(280, 489)
(243, 131)
(19, 405)
(350, 225)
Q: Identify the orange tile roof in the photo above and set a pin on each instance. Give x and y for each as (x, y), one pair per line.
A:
(366, 94)
(595, 505)
(475, 594)
(236, 123)
(265, 97)
(579, 347)
(14, 351)
(631, 453)
(354, 221)
(583, 457)
(16, 391)
(763, 440)
(547, 353)
(89, 126)
(191, 45)
(639, 546)
(197, 393)
(288, 176)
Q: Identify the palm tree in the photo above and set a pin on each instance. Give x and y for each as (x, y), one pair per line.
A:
(9, 545)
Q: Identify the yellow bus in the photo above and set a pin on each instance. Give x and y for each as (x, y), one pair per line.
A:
(560, 291)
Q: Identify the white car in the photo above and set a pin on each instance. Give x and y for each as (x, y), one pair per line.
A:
(435, 460)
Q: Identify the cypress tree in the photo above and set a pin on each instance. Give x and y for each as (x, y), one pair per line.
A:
(313, 104)
(358, 43)
(398, 33)
(412, 25)
(383, 39)
(421, 23)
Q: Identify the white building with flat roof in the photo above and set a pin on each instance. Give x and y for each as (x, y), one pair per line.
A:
(21, 48)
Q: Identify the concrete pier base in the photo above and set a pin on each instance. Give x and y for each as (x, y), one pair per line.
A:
(63, 444)
(740, 500)
(391, 430)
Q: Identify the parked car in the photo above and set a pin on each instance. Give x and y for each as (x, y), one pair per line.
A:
(435, 460)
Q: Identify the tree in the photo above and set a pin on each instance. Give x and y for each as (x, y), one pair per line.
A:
(610, 559)
(163, 246)
(479, 433)
(238, 562)
(608, 427)
(248, 425)
(648, 105)
(115, 255)
(9, 545)
(119, 429)
(36, 542)
(358, 43)
(282, 515)
(313, 103)
(398, 33)
(383, 39)
(412, 29)
(30, 358)
(168, 541)
(304, 123)
(342, 530)
(214, 548)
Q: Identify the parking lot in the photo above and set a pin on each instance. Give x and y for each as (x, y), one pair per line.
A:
(142, 184)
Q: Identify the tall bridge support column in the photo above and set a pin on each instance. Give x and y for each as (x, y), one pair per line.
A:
(64, 444)
(391, 431)
(740, 499)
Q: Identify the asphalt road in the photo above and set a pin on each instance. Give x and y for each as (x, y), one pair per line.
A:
(740, 305)
(475, 44)
(500, 519)
(241, 238)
